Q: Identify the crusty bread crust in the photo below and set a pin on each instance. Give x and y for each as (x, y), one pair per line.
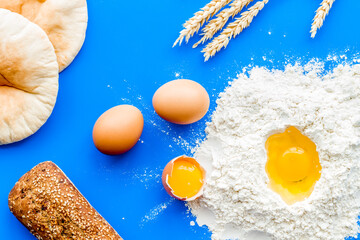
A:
(46, 202)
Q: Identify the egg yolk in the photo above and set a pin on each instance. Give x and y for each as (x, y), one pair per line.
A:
(186, 179)
(293, 165)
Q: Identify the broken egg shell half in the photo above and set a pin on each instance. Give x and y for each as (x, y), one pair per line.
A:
(168, 170)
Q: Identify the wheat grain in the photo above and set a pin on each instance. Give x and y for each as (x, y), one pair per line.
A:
(232, 30)
(221, 19)
(319, 18)
(193, 25)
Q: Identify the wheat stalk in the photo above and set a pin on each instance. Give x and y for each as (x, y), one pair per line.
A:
(321, 13)
(232, 30)
(193, 25)
(221, 19)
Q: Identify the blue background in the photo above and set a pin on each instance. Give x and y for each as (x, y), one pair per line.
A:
(127, 55)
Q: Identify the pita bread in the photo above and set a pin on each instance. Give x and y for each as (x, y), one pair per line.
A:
(28, 77)
(64, 21)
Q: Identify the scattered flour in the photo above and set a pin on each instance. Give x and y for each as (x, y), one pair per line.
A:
(147, 176)
(154, 212)
(237, 204)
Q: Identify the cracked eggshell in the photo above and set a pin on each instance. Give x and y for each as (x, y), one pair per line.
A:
(168, 171)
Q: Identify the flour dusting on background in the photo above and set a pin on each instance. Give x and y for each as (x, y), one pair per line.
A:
(154, 212)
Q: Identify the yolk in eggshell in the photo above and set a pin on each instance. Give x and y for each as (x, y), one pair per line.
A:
(293, 165)
(185, 178)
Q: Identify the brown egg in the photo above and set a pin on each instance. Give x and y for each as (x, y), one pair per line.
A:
(181, 101)
(118, 129)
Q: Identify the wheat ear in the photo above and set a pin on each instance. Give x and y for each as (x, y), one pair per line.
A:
(221, 19)
(232, 30)
(321, 13)
(193, 25)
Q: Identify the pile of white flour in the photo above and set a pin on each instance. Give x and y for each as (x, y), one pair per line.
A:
(237, 204)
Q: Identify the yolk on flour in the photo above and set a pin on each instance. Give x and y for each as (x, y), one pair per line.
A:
(293, 165)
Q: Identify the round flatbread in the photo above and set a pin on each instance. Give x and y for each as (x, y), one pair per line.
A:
(28, 77)
(64, 21)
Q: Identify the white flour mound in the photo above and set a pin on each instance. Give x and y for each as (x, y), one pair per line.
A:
(237, 204)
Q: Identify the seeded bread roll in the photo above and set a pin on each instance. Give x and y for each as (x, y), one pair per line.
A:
(51, 207)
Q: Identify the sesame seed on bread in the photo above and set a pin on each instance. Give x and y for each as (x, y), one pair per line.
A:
(46, 202)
